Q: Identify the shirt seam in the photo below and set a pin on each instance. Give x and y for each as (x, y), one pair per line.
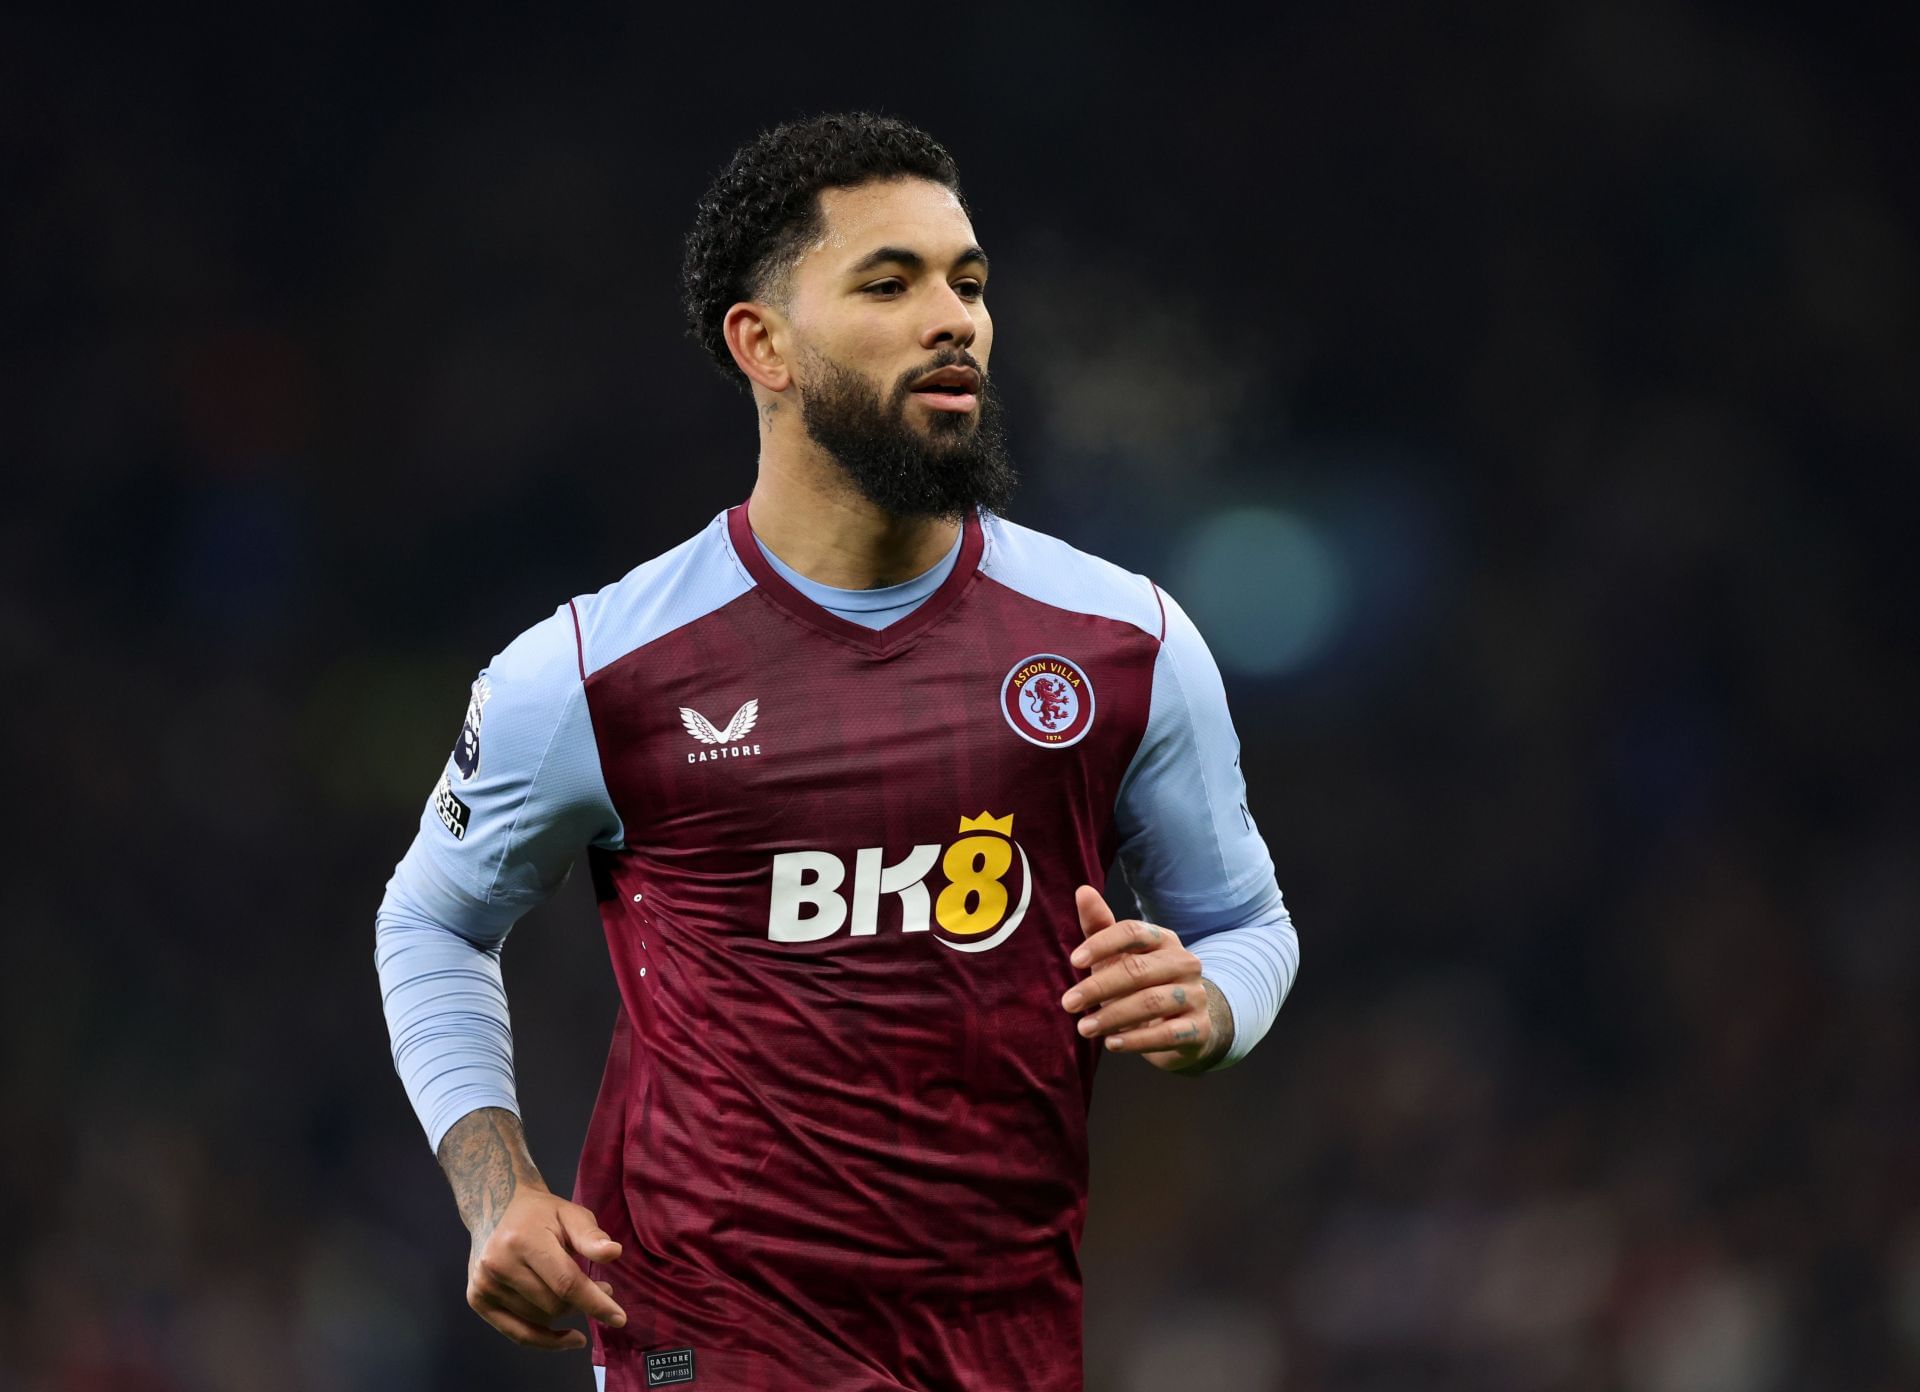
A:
(726, 540)
(519, 813)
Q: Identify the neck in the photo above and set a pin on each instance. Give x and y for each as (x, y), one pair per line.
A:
(808, 515)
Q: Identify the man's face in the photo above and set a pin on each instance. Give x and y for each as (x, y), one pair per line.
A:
(891, 340)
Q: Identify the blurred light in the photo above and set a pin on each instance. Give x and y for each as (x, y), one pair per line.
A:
(1723, 1330)
(1905, 1292)
(1210, 1345)
(1264, 587)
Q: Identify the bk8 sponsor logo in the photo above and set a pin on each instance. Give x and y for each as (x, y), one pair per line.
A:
(977, 909)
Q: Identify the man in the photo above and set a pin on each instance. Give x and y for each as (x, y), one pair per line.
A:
(847, 766)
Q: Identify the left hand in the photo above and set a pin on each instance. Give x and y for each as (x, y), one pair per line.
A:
(1145, 994)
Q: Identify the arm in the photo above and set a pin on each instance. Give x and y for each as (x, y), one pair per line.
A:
(521, 795)
(1197, 981)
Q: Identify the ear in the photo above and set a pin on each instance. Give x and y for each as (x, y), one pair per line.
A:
(755, 334)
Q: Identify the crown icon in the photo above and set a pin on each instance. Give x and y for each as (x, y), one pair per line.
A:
(986, 821)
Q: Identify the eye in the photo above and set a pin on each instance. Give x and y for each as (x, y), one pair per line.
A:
(970, 289)
(884, 289)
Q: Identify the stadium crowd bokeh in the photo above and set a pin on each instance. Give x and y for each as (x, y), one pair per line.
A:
(1522, 399)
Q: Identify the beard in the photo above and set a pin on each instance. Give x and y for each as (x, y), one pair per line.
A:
(959, 462)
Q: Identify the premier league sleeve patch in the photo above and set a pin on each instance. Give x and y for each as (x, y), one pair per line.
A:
(1048, 700)
(453, 813)
(466, 752)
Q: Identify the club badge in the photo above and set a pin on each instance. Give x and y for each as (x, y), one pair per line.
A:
(1048, 700)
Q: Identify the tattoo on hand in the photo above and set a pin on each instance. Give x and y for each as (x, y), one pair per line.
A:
(484, 1156)
(1220, 1016)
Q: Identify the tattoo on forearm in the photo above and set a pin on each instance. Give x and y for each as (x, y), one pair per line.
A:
(485, 1158)
(1220, 1015)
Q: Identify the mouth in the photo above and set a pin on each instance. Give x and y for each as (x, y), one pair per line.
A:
(946, 399)
(949, 389)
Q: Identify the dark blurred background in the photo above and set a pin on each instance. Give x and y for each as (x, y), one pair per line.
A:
(1521, 397)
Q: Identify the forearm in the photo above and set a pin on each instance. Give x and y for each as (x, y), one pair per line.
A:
(484, 1155)
(446, 1011)
(524, 1265)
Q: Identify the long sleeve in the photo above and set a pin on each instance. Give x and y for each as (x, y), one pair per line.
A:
(522, 795)
(1188, 844)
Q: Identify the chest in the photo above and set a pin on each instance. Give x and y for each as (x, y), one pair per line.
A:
(749, 733)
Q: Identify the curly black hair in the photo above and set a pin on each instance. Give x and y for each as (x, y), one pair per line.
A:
(764, 206)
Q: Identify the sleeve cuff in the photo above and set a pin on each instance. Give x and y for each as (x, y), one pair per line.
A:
(1253, 969)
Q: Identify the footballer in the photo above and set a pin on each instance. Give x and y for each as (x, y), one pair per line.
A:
(847, 767)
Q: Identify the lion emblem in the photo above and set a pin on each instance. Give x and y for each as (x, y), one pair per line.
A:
(1049, 699)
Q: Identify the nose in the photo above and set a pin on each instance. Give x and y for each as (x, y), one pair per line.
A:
(951, 324)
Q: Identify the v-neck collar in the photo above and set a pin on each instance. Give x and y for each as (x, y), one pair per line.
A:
(878, 640)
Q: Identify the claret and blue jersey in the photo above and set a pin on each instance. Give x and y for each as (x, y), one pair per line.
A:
(835, 838)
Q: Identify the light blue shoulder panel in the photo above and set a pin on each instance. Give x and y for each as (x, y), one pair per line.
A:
(670, 591)
(521, 797)
(1187, 837)
(1047, 569)
(522, 794)
(1189, 847)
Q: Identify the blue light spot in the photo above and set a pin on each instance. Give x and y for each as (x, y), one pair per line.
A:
(1264, 586)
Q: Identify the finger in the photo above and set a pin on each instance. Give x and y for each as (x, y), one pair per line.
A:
(1128, 935)
(507, 1298)
(563, 1276)
(1094, 913)
(503, 1276)
(1156, 1002)
(585, 1236)
(1187, 1034)
(1130, 972)
(524, 1331)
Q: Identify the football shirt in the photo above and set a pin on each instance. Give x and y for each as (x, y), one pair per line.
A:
(841, 1134)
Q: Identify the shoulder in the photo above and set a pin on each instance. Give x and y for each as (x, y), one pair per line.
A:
(1050, 571)
(653, 599)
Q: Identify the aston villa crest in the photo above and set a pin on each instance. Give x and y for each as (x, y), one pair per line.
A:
(1048, 700)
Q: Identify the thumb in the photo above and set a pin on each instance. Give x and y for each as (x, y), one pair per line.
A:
(1094, 913)
(585, 1236)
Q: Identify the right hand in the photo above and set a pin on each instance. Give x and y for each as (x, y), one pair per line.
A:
(523, 1275)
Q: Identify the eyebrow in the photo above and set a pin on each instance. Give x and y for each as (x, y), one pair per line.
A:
(909, 258)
